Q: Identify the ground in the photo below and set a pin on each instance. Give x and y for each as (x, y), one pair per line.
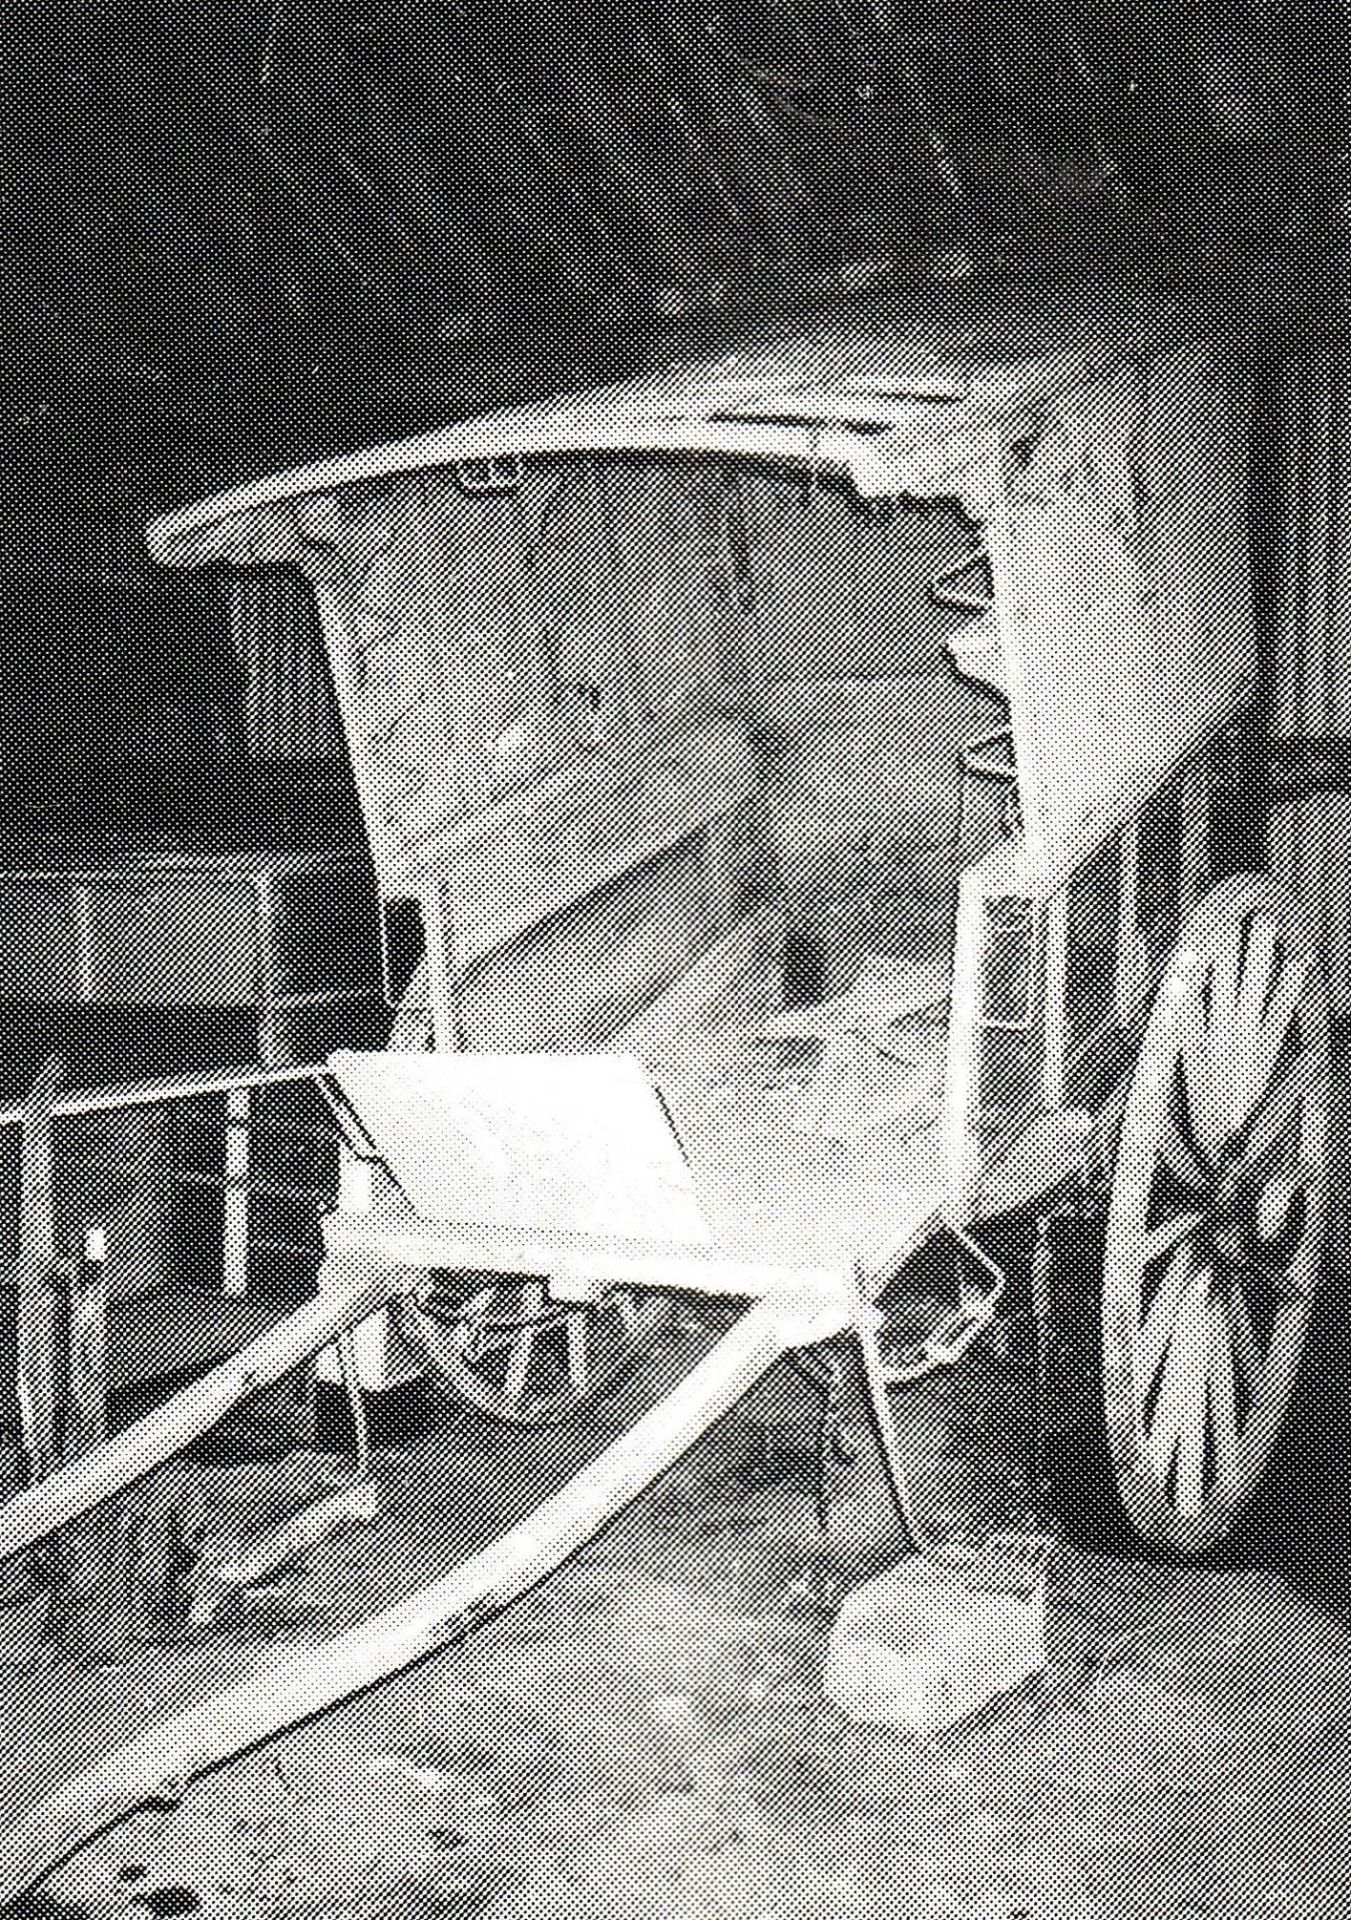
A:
(645, 1737)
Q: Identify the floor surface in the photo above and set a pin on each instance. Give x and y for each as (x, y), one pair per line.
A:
(646, 1738)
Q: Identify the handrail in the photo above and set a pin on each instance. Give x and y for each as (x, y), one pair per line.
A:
(163, 1088)
(875, 464)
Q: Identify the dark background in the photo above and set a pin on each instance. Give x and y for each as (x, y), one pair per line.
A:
(239, 234)
(271, 225)
(235, 234)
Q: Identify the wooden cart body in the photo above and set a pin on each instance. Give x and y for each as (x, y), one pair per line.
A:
(956, 603)
(888, 643)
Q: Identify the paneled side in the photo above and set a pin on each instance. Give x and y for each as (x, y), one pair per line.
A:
(1123, 582)
(484, 637)
(574, 979)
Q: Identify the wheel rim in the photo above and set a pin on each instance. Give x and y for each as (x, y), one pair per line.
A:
(515, 1354)
(1216, 1224)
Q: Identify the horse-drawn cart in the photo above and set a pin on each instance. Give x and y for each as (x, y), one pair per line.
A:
(798, 762)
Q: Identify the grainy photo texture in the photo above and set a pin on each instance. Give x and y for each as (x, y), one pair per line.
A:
(675, 726)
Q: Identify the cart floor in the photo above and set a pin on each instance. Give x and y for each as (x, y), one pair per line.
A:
(646, 1735)
(787, 1167)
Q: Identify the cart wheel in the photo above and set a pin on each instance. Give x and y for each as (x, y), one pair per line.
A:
(1217, 1217)
(519, 1356)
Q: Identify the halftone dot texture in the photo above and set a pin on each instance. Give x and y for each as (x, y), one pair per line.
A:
(621, 703)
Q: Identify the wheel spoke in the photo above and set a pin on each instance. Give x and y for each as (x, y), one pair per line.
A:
(1190, 1353)
(1243, 1345)
(1222, 988)
(1282, 1100)
(1163, 1238)
(1181, 1161)
(1282, 1005)
(1229, 1057)
(1259, 961)
(1151, 1341)
(480, 1342)
(1270, 1038)
(518, 1367)
(1177, 1430)
(1272, 1213)
(1193, 1065)
(1223, 1404)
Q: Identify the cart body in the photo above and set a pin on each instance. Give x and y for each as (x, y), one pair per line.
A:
(915, 634)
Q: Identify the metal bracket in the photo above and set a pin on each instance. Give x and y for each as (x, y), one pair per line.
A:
(944, 592)
(1028, 925)
(945, 1344)
(989, 760)
(498, 473)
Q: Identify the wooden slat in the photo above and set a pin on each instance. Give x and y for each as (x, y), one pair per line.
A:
(613, 1259)
(40, 1348)
(735, 980)
(575, 978)
(532, 857)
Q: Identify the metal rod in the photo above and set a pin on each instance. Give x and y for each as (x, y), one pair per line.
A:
(230, 1183)
(884, 1426)
(235, 1235)
(162, 1089)
(356, 1400)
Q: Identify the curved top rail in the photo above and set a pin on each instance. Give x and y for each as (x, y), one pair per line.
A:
(892, 411)
(1099, 449)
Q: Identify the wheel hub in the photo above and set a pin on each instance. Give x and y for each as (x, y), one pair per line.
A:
(1247, 1217)
(1243, 1237)
(1231, 1230)
(1233, 1241)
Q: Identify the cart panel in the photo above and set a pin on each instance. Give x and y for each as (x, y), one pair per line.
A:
(1122, 585)
(906, 597)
